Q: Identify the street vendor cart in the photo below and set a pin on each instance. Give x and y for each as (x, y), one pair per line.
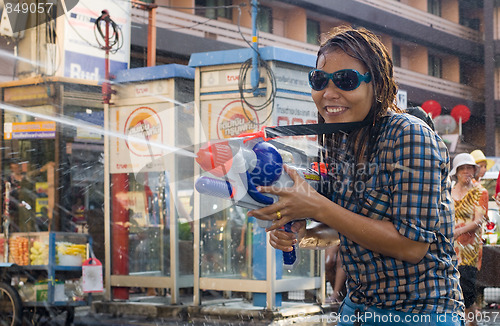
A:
(40, 277)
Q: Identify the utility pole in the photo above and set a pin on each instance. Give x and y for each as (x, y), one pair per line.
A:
(151, 8)
(255, 77)
(115, 230)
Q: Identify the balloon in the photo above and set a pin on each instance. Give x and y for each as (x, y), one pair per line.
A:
(461, 111)
(432, 107)
(445, 124)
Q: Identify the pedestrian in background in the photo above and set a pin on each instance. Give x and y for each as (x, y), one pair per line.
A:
(483, 163)
(335, 275)
(471, 207)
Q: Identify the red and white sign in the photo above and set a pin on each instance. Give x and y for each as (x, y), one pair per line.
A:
(92, 280)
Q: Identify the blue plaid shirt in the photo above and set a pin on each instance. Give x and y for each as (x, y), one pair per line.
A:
(406, 182)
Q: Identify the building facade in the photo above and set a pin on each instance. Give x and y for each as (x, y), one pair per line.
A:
(443, 50)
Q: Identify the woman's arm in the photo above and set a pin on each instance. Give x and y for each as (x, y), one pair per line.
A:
(416, 163)
(376, 235)
(302, 200)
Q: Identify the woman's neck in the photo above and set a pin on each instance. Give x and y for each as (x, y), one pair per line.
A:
(461, 189)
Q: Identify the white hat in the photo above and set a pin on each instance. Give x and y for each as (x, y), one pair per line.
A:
(463, 159)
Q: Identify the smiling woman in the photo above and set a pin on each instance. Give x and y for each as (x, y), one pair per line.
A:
(392, 248)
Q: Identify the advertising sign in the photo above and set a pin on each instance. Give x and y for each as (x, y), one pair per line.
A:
(29, 130)
(228, 118)
(84, 53)
(140, 140)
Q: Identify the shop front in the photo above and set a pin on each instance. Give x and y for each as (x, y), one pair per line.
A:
(51, 150)
(52, 185)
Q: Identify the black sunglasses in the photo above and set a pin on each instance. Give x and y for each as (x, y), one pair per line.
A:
(345, 79)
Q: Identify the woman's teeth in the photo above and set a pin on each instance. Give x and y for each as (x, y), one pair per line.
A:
(335, 109)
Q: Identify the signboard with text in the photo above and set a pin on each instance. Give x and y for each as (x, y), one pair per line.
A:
(29, 130)
(141, 138)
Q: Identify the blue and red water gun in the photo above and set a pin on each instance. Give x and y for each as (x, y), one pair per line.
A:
(239, 165)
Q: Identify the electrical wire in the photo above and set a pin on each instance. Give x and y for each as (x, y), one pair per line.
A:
(194, 25)
(247, 65)
(196, 7)
(244, 67)
(51, 35)
(116, 38)
(136, 5)
(240, 32)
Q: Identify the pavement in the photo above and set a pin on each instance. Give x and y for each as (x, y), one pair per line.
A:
(215, 310)
(229, 312)
(238, 311)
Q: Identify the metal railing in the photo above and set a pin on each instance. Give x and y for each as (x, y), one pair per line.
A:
(438, 85)
(221, 31)
(426, 19)
(227, 32)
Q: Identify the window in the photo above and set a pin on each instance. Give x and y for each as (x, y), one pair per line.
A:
(396, 55)
(312, 31)
(435, 66)
(434, 7)
(265, 19)
(221, 8)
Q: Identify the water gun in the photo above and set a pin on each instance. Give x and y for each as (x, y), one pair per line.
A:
(239, 165)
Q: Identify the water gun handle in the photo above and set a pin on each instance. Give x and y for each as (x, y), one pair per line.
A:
(290, 257)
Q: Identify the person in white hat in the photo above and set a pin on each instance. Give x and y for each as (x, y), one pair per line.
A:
(484, 163)
(471, 206)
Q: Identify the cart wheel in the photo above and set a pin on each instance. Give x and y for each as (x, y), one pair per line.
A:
(11, 306)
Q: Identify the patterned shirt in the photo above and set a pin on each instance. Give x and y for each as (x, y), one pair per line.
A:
(406, 182)
(469, 246)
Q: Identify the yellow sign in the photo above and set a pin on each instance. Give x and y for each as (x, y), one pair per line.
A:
(28, 94)
(29, 130)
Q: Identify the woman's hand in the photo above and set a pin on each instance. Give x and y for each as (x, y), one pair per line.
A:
(297, 202)
(283, 240)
